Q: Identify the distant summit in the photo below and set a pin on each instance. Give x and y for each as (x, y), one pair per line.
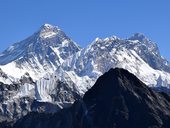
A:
(140, 37)
(46, 25)
(42, 52)
(48, 31)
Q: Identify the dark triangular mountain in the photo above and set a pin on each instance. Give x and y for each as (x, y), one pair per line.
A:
(117, 100)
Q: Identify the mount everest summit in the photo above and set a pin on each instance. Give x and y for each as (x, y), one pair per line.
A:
(49, 67)
(42, 52)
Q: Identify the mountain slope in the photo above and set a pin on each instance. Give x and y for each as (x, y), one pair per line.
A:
(134, 55)
(18, 99)
(24, 67)
(117, 100)
(121, 100)
(149, 52)
(40, 53)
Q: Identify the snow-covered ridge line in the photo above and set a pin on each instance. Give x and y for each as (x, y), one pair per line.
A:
(39, 54)
(51, 51)
(141, 57)
(49, 67)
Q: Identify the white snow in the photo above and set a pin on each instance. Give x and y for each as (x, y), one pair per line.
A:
(11, 48)
(26, 90)
(13, 70)
(47, 25)
(5, 81)
(65, 43)
(48, 34)
(97, 39)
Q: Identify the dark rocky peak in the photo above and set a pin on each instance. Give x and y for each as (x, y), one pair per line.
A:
(26, 79)
(140, 37)
(116, 80)
(145, 43)
(48, 27)
(149, 52)
(120, 100)
(47, 31)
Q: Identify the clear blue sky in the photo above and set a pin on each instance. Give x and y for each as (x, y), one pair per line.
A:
(84, 20)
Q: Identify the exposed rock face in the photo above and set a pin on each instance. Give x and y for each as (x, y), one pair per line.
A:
(15, 103)
(137, 54)
(117, 100)
(149, 52)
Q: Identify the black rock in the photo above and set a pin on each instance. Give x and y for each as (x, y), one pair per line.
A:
(119, 99)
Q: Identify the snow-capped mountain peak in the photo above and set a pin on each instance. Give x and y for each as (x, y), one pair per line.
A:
(42, 52)
(46, 25)
(48, 31)
(138, 57)
(140, 37)
(142, 45)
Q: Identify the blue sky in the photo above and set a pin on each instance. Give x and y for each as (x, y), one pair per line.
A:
(84, 20)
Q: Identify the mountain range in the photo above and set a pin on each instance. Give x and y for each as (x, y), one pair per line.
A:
(118, 99)
(48, 71)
